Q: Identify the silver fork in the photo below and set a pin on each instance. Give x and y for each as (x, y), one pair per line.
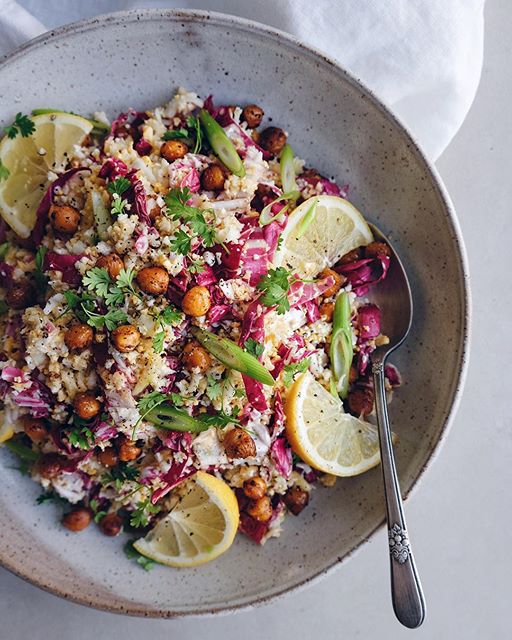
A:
(393, 296)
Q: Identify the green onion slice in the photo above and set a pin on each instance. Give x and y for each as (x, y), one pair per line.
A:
(165, 416)
(341, 352)
(222, 146)
(266, 215)
(288, 170)
(233, 356)
(307, 219)
(102, 217)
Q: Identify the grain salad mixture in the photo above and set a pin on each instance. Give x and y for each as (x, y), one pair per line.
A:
(173, 286)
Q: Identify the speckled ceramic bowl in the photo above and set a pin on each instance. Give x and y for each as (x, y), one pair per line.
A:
(138, 59)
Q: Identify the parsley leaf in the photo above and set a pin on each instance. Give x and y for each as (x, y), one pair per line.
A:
(22, 124)
(254, 347)
(220, 419)
(98, 281)
(40, 278)
(119, 186)
(122, 473)
(158, 342)
(110, 320)
(140, 517)
(177, 400)
(214, 388)
(94, 505)
(4, 248)
(80, 436)
(149, 401)
(181, 243)
(175, 134)
(196, 266)
(275, 286)
(133, 554)
(296, 367)
(177, 208)
(4, 172)
(50, 496)
(118, 205)
(170, 315)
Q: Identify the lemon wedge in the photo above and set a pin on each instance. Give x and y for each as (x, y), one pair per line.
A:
(323, 435)
(198, 529)
(318, 233)
(28, 161)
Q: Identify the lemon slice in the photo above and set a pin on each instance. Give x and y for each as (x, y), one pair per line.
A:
(6, 430)
(29, 160)
(198, 529)
(318, 233)
(323, 435)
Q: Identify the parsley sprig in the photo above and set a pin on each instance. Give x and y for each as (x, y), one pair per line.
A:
(95, 508)
(169, 316)
(254, 347)
(120, 474)
(132, 553)
(140, 516)
(193, 134)
(290, 370)
(80, 434)
(117, 187)
(40, 278)
(178, 209)
(275, 287)
(22, 125)
(98, 281)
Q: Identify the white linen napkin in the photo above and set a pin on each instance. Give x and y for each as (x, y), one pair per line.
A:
(423, 58)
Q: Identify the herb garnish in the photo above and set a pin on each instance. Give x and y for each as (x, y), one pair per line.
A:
(94, 505)
(140, 517)
(296, 367)
(121, 473)
(4, 248)
(177, 209)
(170, 315)
(254, 347)
(132, 553)
(4, 171)
(175, 134)
(22, 124)
(98, 281)
(275, 287)
(39, 275)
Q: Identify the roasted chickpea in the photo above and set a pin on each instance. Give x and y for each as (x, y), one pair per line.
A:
(64, 218)
(360, 401)
(126, 338)
(196, 301)
(78, 336)
(112, 263)
(339, 281)
(327, 310)
(213, 178)
(253, 115)
(111, 524)
(273, 139)
(376, 249)
(153, 280)
(50, 465)
(255, 488)
(239, 444)
(296, 499)
(128, 451)
(35, 428)
(21, 294)
(86, 406)
(260, 509)
(108, 457)
(78, 519)
(351, 256)
(196, 357)
(173, 150)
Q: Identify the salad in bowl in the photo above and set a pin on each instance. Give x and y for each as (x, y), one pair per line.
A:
(186, 324)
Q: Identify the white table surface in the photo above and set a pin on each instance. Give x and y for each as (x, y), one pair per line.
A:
(460, 517)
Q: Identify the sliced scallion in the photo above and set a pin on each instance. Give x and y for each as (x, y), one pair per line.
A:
(287, 169)
(266, 215)
(165, 416)
(231, 355)
(341, 352)
(222, 146)
(307, 219)
(102, 217)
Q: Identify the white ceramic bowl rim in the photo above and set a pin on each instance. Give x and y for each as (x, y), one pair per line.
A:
(198, 16)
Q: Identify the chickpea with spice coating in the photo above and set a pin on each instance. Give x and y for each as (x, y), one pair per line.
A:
(153, 280)
(196, 302)
(296, 499)
(20, 295)
(64, 218)
(327, 310)
(173, 150)
(77, 520)
(377, 249)
(339, 281)
(213, 178)
(253, 115)
(196, 357)
(111, 524)
(351, 256)
(255, 488)
(126, 338)
(239, 444)
(108, 457)
(360, 402)
(50, 465)
(86, 406)
(78, 336)
(260, 509)
(35, 428)
(128, 451)
(273, 139)
(112, 263)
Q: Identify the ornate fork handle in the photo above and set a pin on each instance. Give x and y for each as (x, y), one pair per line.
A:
(406, 591)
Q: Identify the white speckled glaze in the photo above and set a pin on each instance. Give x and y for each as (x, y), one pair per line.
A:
(137, 59)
